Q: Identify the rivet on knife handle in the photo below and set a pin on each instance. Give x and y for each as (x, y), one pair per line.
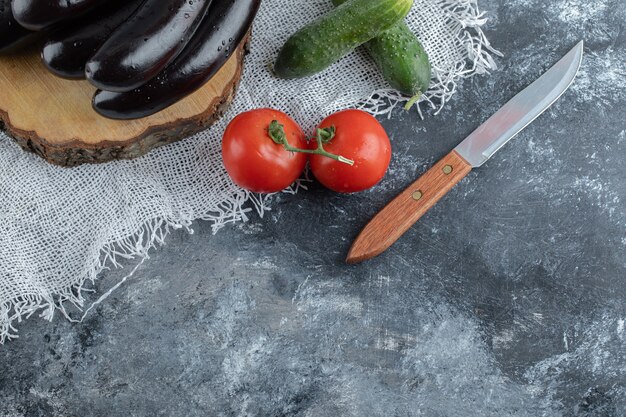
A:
(406, 209)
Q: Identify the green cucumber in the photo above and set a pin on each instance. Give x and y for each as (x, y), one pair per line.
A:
(401, 58)
(320, 44)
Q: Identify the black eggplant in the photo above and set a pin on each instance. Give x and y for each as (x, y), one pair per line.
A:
(12, 34)
(224, 27)
(40, 14)
(67, 51)
(143, 46)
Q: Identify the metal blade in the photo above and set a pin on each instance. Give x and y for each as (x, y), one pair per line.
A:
(518, 113)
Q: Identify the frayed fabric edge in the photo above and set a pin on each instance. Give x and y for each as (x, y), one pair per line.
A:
(136, 245)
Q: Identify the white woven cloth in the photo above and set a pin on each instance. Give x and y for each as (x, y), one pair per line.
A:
(59, 228)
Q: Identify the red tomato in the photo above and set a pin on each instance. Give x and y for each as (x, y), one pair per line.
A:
(361, 138)
(253, 160)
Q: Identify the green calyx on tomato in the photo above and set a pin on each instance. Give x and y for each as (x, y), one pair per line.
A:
(276, 132)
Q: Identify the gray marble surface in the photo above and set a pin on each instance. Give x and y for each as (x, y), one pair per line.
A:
(507, 299)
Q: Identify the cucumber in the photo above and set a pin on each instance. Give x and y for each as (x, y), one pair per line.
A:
(401, 58)
(320, 44)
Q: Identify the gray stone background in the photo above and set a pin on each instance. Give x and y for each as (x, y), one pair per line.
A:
(507, 299)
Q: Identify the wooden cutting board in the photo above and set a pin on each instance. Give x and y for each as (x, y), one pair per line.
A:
(53, 118)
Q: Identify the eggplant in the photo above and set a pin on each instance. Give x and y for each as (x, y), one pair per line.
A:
(224, 27)
(12, 34)
(41, 14)
(143, 46)
(67, 51)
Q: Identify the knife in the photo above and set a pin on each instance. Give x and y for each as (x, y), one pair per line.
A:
(406, 209)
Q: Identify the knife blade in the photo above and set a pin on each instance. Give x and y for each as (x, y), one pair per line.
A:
(406, 209)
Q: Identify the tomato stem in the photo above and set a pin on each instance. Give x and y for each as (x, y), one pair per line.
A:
(276, 132)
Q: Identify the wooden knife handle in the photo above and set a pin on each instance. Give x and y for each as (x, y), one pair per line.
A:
(406, 209)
